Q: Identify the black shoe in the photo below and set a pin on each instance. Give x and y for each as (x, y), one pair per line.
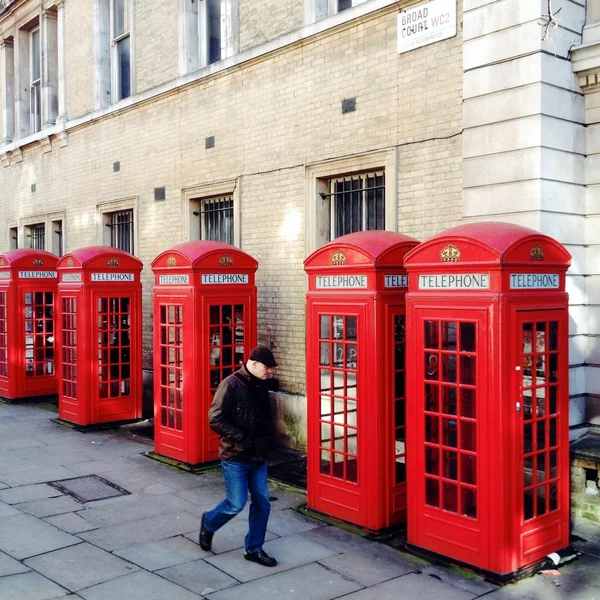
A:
(260, 557)
(205, 537)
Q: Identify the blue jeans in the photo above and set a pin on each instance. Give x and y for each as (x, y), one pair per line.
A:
(241, 478)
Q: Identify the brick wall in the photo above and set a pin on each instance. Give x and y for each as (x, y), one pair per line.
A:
(266, 20)
(270, 118)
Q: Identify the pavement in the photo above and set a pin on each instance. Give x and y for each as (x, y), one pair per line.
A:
(143, 545)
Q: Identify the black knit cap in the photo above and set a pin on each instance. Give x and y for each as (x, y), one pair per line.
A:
(263, 355)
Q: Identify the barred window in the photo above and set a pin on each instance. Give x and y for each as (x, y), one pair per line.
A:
(37, 236)
(120, 224)
(357, 203)
(216, 219)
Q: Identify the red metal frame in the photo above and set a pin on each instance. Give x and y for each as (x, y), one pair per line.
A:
(472, 467)
(100, 336)
(27, 338)
(204, 327)
(355, 378)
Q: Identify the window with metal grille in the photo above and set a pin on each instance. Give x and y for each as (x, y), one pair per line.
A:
(357, 203)
(120, 224)
(216, 219)
(57, 238)
(37, 236)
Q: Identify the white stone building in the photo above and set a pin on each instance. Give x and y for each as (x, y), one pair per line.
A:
(145, 124)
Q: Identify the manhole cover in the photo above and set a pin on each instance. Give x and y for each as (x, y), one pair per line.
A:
(88, 488)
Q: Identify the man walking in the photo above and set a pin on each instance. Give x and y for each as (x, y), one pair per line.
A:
(241, 415)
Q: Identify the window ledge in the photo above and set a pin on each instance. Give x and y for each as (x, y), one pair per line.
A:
(256, 53)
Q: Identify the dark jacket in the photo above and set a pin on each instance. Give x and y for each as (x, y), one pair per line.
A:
(241, 415)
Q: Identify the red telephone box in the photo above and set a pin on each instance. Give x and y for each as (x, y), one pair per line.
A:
(27, 287)
(204, 326)
(488, 378)
(99, 332)
(355, 378)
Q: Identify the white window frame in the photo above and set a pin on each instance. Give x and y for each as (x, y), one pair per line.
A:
(194, 34)
(317, 10)
(35, 85)
(115, 40)
(104, 213)
(191, 199)
(317, 177)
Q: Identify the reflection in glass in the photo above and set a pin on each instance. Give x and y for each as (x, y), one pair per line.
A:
(351, 413)
(432, 460)
(541, 435)
(449, 368)
(467, 370)
(468, 468)
(553, 368)
(541, 500)
(432, 492)
(325, 462)
(553, 496)
(324, 354)
(450, 432)
(553, 392)
(468, 433)
(450, 465)
(541, 467)
(553, 335)
(431, 397)
(528, 471)
(528, 504)
(338, 327)
(449, 400)
(351, 384)
(469, 502)
(467, 337)
(449, 335)
(351, 329)
(325, 327)
(553, 441)
(450, 497)
(527, 438)
(431, 334)
(467, 403)
(540, 337)
(431, 429)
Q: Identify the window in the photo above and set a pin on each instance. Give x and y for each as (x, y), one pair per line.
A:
(209, 32)
(316, 10)
(350, 194)
(121, 42)
(13, 233)
(57, 238)
(114, 49)
(36, 234)
(215, 216)
(356, 203)
(120, 226)
(212, 212)
(7, 101)
(35, 102)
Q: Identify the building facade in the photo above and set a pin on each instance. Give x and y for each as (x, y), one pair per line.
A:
(277, 125)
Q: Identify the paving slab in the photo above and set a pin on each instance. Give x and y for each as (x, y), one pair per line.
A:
(230, 536)
(3, 486)
(25, 477)
(139, 532)
(199, 577)
(10, 566)
(92, 467)
(412, 587)
(288, 522)
(70, 522)
(337, 539)
(138, 586)
(18, 441)
(157, 489)
(29, 586)
(133, 508)
(290, 551)
(206, 496)
(309, 582)
(24, 536)
(49, 507)
(81, 566)
(372, 565)
(282, 499)
(8, 511)
(166, 553)
(464, 580)
(28, 493)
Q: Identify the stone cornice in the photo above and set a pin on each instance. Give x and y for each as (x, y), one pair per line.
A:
(586, 64)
